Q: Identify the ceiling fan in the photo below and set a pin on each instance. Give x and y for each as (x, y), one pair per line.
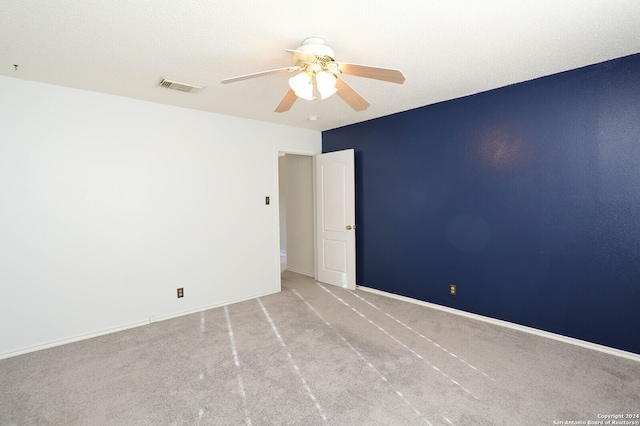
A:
(319, 76)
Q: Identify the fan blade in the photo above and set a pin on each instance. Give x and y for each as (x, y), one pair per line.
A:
(286, 102)
(384, 74)
(350, 96)
(303, 56)
(259, 74)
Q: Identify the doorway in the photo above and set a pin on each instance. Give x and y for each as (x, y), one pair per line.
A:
(295, 188)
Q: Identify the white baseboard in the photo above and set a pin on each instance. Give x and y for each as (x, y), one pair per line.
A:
(305, 273)
(207, 307)
(105, 331)
(593, 346)
(72, 339)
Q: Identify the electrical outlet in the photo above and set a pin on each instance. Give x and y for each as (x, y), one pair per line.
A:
(267, 200)
(453, 289)
(180, 292)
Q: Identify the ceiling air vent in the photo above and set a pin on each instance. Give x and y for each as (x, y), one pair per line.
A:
(178, 85)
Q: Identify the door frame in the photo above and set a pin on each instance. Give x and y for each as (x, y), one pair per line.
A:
(276, 201)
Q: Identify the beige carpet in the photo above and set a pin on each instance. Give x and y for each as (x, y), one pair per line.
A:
(316, 354)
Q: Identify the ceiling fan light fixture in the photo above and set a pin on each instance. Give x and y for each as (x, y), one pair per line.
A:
(318, 76)
(302, 85)
(326, 84)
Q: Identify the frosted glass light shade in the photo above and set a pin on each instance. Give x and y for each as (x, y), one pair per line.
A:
(302, 85)
(326, 84)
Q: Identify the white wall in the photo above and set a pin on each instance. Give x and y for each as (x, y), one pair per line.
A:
(299, 200)
(109, 204)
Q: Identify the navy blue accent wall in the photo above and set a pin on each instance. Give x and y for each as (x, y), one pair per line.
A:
(527, 197)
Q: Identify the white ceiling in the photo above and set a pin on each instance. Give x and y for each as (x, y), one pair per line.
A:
(446, 48)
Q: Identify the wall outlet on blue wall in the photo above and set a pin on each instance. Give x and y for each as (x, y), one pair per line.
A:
(453, 289)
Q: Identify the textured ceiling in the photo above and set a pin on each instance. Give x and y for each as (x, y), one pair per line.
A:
(446, 48)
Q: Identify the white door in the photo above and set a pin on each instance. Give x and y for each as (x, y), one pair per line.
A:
(335, 219)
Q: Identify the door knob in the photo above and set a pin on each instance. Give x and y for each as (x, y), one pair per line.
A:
(349, 227)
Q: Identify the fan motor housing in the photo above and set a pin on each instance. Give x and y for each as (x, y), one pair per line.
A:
(317, 47)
